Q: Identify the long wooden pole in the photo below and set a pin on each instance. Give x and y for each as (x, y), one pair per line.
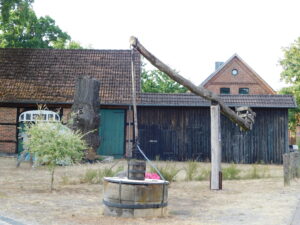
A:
(198, 90)
(216, 177)
(136, 130)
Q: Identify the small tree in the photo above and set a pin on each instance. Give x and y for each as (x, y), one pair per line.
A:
(155, 81)
(52, 143)
(291, 75)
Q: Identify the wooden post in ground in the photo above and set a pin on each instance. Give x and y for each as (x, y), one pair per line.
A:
(216, 177)
(297, 164)
(286, 169)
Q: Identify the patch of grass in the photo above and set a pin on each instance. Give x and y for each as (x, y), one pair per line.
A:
(169, 171)
(203, 174)
(258, 172)
(95, 176)
(3, 195)
(90, 176)
(65, 180)
(191, 170)
(231, 172)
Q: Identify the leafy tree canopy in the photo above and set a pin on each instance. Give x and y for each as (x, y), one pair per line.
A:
(291, 75)
(155, 81)
(21, 28)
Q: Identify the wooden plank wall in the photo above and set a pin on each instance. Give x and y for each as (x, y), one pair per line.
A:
(181, 133)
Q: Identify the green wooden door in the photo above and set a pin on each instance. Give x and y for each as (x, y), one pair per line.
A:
(111, 132)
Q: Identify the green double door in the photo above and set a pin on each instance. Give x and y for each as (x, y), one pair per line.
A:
(112, 132)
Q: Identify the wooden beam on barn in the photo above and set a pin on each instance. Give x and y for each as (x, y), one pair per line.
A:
(198, 90)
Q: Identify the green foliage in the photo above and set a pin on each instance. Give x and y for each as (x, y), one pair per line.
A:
(53, 143)
(6, 6)
(291, 63)
(294, 114)
(291, 75)
(169, 171)
(191, 170)
(21, 28)
(231, 172)
(155, 81)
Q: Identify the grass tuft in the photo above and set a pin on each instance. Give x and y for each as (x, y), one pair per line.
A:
(169, 171)
(94, 176)
(231, 172)
(203, 174)
(257, 172)
(191, 170)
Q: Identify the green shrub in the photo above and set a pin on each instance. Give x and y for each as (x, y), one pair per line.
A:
(52, 143)
(231, 172)
(191, 170)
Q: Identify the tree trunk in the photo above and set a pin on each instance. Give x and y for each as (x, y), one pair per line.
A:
(198, 90)
(85, 112)
(52, 178)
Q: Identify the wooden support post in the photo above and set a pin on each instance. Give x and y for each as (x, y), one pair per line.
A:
(297, 164)
(286, 169)
(135, 120)
(216, 182)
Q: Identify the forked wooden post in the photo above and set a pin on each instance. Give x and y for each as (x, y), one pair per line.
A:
(215, 178)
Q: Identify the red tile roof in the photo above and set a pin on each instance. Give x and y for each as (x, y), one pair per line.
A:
(47, 75)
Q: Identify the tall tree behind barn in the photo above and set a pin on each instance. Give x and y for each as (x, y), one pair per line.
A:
(85, 112)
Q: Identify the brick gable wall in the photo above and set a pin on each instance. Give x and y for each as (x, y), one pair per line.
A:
(245, 79)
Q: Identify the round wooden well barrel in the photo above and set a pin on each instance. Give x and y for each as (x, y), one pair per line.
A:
(135, 198)
(136, 170)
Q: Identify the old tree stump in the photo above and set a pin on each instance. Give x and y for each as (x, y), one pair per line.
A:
(85, 113)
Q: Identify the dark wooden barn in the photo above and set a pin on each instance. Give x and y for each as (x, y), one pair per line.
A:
(177, 127)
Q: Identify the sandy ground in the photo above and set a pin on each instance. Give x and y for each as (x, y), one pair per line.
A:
(25, 196)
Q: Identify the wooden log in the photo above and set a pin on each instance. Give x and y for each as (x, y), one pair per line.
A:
(216, 182)
(85, 112)
(198, 90)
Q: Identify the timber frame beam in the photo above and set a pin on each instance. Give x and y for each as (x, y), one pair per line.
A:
(198, 90)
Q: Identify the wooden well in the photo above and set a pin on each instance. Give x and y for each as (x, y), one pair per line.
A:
(135, 198)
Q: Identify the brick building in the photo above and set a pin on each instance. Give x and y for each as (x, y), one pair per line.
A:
(235, 76)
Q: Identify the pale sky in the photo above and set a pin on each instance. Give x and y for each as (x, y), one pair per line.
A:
(188, 35)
